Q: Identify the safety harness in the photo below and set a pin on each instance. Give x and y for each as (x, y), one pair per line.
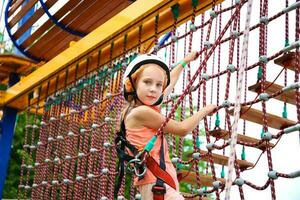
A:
(139, 162)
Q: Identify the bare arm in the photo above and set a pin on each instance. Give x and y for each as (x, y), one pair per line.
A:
(147, 117)
(175, 73)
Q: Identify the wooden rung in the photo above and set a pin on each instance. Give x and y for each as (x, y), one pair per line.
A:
(223, 160)
(288, 97)
(224, 134)
(288, 60)
(256, 116)
(194, 198)
(205, 180)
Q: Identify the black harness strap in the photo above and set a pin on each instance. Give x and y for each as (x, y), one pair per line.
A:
(159, 189)
(121, 143)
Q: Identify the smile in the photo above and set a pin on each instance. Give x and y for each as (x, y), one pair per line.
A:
(151, 97)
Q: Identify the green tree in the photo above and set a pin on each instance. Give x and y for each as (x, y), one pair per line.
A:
(17, 152)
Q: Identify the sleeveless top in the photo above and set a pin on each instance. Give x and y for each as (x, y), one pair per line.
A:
(139, 138)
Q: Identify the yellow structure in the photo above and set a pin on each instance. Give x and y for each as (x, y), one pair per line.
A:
(141, 13)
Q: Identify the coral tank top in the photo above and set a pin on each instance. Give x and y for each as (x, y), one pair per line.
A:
(139, 138)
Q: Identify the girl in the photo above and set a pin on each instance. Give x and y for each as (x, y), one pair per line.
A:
(147, 82)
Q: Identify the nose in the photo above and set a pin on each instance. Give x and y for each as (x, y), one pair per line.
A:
(153, 88)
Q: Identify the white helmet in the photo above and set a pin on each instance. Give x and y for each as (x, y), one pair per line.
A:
(134, 65)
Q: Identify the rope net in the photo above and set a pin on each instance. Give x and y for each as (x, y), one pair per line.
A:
(69, 153)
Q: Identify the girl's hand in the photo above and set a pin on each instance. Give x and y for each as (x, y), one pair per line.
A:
(191, 56)
(210, 109)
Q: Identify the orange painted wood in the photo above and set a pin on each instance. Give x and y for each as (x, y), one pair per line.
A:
(256, 116)
(288, 97)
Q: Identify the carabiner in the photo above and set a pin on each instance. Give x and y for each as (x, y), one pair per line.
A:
(137, 163)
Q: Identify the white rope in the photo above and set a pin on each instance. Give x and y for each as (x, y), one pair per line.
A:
(237, 106)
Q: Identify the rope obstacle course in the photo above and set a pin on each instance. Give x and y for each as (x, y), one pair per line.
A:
(70, 151)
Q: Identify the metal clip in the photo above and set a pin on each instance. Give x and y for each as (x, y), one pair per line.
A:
(134, 165)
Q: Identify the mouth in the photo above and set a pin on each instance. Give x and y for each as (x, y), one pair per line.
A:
(151, 97)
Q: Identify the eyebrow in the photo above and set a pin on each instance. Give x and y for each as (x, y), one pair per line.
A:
(149, 78)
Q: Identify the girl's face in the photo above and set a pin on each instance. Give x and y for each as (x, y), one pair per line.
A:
(150, 84)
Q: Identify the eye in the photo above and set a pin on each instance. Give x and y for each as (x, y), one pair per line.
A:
(159, 85)
(147, 82)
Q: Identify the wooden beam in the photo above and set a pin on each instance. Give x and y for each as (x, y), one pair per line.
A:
(288, 97)
(223, 160)
(224, 134)
(205, 180)
(288, 61)
(256, 116)
(140, 12)
(12, 63)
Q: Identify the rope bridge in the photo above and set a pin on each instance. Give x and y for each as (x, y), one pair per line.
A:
(69, 151)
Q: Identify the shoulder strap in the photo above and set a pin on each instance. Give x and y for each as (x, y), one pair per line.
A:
(120, 143)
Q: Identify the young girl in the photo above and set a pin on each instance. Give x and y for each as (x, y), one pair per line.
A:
(147, 82)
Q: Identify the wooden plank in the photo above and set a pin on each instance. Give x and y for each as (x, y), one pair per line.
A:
(205, 180)
(224, 134)
(15, 5)
(288, 97)
(47, 25)
(256, 116)
(6, 69)
(101, 17)
(60, 45)
(288, 60)
(59, 39)
(24, 10)
(32, 19)
(223, 160)
(56, 36)
(12, 62)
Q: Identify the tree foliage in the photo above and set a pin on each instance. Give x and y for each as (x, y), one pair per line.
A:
(17, 153)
